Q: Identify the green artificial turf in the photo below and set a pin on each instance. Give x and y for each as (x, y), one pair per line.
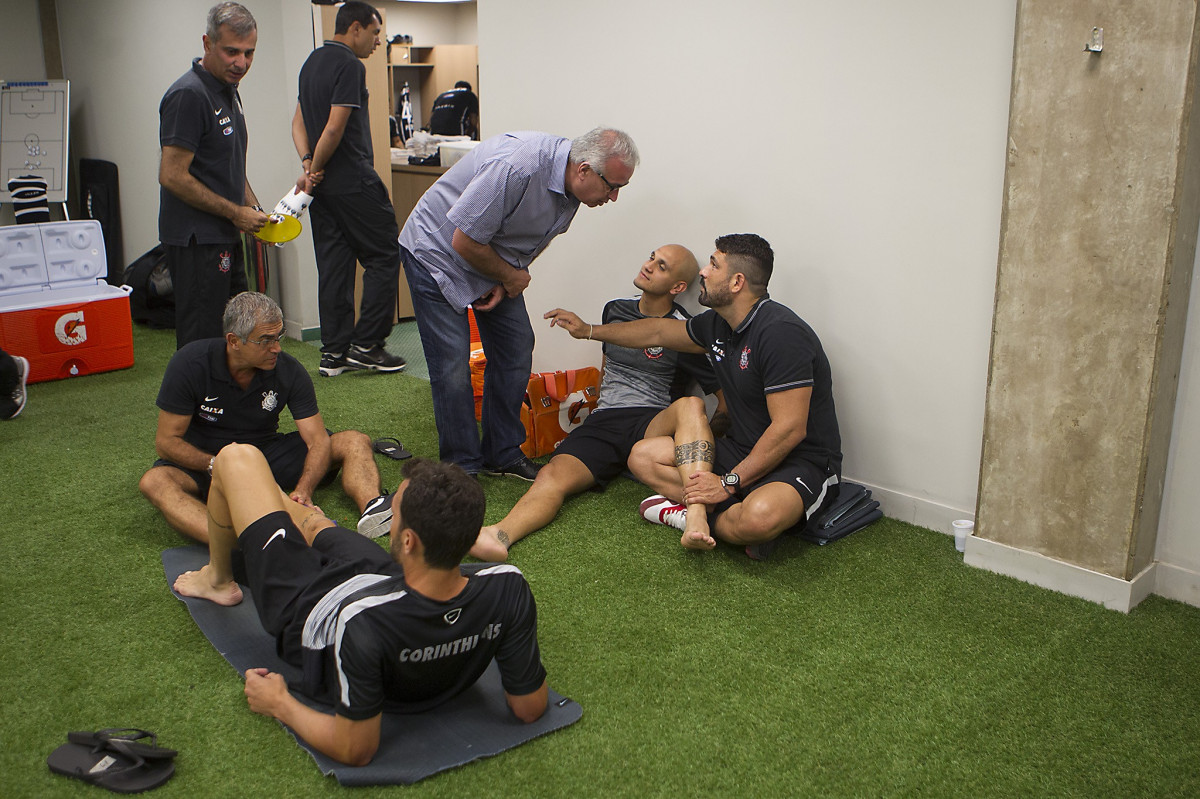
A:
(876, 666)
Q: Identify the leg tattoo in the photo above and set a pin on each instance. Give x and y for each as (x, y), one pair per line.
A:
(694, 452)
(502, 537)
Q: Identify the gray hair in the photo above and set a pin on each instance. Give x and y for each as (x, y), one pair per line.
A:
(247, 311)
(234, 16)
(595, 147)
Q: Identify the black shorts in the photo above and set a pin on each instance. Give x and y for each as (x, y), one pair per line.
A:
(604, 440)
(285, 455)
(287, 577)
(815, 485)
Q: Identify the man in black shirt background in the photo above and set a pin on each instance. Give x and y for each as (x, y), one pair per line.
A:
(455, 112)
(352, 215)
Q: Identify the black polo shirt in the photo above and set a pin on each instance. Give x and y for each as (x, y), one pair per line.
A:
(772, 350)
(334, 75)
(203, 115)
(451, 113)
(369, 644)
(197, 383)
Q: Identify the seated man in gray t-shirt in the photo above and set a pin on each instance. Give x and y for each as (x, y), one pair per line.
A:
(635, 403)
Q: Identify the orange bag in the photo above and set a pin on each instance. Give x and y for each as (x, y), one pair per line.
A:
(478, 364)
(555, 404)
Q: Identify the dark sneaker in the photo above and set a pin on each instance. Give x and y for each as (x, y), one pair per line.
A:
(10, 407)
(333, 365)
(376, 358)
(376, 517)
(762, 551)
(524, 469)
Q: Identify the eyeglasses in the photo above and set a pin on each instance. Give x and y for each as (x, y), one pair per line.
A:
(265, 341)
(611, 187)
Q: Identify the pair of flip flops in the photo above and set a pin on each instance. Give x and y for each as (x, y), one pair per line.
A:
(391, 447)
(116, 759)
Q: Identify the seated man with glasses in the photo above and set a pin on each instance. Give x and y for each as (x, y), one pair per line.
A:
(218, 391)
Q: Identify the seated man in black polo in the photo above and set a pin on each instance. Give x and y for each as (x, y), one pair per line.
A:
(372, 631)
(218, 391)
(455, 112)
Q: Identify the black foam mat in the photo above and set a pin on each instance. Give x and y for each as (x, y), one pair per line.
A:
(475, 724)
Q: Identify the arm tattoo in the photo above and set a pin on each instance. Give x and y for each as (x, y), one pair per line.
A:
(694, 452)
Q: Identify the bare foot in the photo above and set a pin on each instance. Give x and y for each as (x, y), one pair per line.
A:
(491, 545)
(697, 539)
(199, 584)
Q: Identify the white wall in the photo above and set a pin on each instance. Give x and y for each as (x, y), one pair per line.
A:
(20, 54)
(866, 142)
(1178, 551)
(21, 41)
(430, 23)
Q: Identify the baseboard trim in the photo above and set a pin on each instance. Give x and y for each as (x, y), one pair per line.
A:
(914, 510)
(1066, 578)
(296, 331)
(1178, 583)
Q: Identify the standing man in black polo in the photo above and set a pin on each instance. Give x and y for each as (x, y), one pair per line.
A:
(205, 198)
(352, 216)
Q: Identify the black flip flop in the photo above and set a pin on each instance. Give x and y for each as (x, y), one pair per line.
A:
(111, 769)
(391, 447)
(124, 740)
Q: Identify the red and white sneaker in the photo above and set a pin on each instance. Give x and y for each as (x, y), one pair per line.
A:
(660, 510)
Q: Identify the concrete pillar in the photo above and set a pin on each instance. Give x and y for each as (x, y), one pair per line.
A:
(1098, 237)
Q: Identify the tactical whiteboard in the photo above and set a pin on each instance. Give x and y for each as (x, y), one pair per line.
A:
(33, 135)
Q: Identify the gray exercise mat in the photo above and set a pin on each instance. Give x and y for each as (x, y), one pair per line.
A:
(475, 724)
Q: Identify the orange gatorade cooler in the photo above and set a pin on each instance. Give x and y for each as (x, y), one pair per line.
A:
(56, 309)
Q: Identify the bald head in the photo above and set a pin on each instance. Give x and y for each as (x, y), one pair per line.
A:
(680, 261)
(668, 271)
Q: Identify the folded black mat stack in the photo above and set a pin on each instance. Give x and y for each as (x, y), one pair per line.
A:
(850, 512)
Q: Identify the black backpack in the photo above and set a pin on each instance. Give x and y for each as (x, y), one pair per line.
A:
(152, 301)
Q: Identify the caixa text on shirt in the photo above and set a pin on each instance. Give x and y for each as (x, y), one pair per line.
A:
(456, 647)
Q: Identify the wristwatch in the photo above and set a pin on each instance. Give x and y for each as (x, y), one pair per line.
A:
(730, 482)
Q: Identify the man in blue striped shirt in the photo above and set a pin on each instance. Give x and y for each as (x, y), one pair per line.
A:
(469, 242)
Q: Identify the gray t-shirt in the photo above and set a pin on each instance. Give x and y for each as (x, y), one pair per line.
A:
(648, 377)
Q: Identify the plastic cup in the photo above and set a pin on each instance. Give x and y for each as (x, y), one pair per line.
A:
(962, 531)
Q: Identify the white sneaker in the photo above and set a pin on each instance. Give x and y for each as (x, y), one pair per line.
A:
(660, 510)
(376, 517)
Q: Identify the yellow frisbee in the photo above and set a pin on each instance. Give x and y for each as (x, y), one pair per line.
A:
(280, 228)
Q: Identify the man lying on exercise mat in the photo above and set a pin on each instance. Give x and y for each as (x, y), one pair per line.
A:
(372, 631)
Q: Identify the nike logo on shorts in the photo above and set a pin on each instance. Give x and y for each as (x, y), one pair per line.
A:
(801, 482)
(278, 533)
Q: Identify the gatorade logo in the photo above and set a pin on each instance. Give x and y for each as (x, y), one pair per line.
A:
(70, 330)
